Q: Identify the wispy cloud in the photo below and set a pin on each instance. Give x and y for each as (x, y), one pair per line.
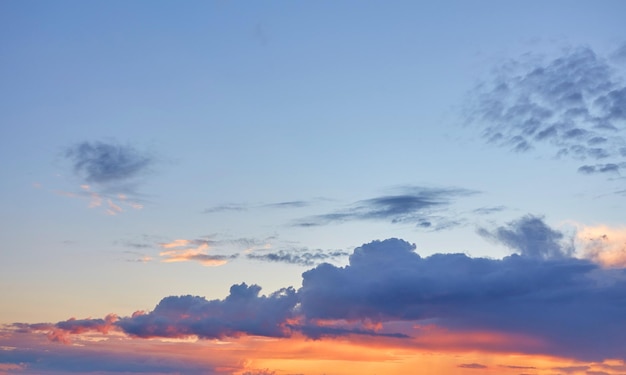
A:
(182, 250)
(302, 257)
(574, 103)
(110, 173)
(415, 205)
(226, 207)
(472, 366)
(245, 207)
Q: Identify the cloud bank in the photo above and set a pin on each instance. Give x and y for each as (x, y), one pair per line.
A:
(549, 301)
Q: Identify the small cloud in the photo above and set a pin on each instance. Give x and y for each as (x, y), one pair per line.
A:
(102, 163)
(110, 173)
(472, 366)
(226, 207)
(599, 168)
(488, 210)
(302, 257)
(289, 204)
(532, 237)
(571, 369)
(182, 250)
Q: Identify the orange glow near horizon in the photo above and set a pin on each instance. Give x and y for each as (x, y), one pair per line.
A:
(365, 355)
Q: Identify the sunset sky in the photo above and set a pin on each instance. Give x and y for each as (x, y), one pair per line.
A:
(313, 187)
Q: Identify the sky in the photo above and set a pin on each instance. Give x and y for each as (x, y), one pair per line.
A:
(312, 188)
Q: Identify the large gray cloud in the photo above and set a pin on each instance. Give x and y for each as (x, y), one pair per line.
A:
(575, 103)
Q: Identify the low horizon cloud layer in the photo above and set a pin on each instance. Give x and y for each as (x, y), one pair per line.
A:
(552, 302)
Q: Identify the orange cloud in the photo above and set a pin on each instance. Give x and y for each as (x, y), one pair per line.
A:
(182, 250)
(603, 245)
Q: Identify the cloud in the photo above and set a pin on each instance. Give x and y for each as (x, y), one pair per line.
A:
(302, 257)
(574, 103)
(601, 168)
(110, 355)
(560, 301)
(539, 301)
(109, 173)
(226, 207)
(103, 163)
(245, 206)
(603, 245)
(182, 250)
(243, 311)
(532, 238)
(488, 210)
(415, 205)
(288, 204)
(472, 366)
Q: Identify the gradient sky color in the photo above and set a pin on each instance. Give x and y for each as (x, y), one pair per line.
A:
(282, 188)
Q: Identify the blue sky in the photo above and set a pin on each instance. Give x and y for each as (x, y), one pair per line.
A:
(155, 149)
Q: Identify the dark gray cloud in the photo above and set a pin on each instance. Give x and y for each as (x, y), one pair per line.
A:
(575, 103)
(571, 305)
(531, 237)
(567, 306)
(302, 257)
(243, 311)
(416, 205)
(103, 163)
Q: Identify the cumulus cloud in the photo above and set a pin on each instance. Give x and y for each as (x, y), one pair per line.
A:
(243, 311)
(531, 237)
(416, 205)
(541, 300)
(557, 300)
(574, 103)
